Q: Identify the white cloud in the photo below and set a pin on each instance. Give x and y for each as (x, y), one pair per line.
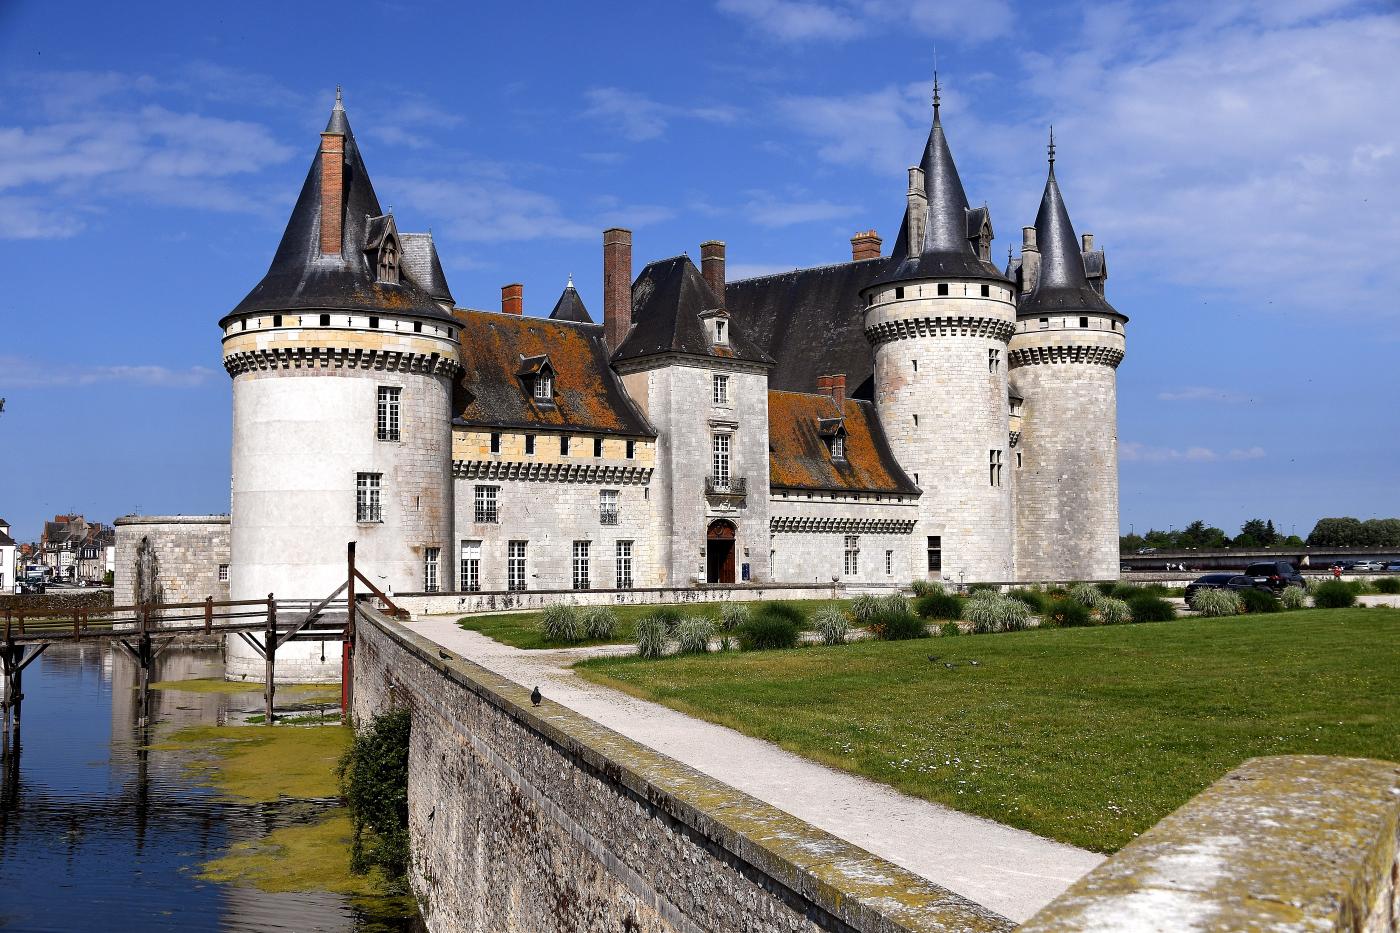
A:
(1135, 452)
(767, 211)
(751, 270)
(21, 373)
(845, 20)
(1201, 394)
(638, 117)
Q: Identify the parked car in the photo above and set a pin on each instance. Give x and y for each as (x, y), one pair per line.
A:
(1342, 565)
(1223, 581)
(1367, 566)
(1147, 550)
(1276, 573)
(1393, 567)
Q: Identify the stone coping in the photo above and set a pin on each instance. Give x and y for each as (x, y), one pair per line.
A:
(1294, 842)
(843, 880)
(172, 520)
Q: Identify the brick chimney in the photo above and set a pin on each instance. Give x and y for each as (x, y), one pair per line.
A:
(865, 246)
(834, 387)
(712, 267)
(513, 298)
(617, 286)
(332, 192)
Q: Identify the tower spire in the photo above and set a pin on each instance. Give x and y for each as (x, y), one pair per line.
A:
(937, 100)
(1051, 147)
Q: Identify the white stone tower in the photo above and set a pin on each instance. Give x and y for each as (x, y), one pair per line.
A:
(939, 322)
(343, 360)
(1064, 356)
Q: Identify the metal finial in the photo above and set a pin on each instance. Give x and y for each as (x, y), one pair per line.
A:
(1051, 147)
(571, 281)
(936, 98)
(339, 105)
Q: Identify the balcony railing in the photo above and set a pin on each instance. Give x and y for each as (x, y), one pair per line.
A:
(736, 486)
(609, 517)
(487, 515)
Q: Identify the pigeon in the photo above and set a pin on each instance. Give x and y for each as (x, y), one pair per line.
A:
(535, 696)
(974, 663)
(444, 655)
(934, 657)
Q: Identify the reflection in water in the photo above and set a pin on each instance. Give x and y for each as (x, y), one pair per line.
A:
(98, 831)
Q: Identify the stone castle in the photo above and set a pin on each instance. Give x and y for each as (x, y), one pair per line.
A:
(918, 415)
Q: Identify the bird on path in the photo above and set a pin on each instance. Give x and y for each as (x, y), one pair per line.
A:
(535, 696)
(444, 655)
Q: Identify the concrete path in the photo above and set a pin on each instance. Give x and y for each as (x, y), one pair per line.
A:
(1008, 870)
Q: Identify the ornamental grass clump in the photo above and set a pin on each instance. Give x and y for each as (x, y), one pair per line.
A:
(1334, 594)
(1149, 608)
(561, 623)
(670, 617)
(1066, 613)
(1294, 597)
(1217, 603)
(832, 625)
(1258, 601)
(599, 623)
(898, 626)
(1389, 585)
(733, 615)
(989, 611)
(926, 587)
(767, 630)
(693, 635)
(896, 603)
(939, 606)
(1035, 599)
(784, 611)
(1113, 611)
(865, 608)
(651, 637)
(1086, 594)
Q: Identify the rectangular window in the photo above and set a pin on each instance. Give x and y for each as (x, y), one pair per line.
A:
(719, 460)
(389, 413)
(277, 320)
(367, 507)
(1084, 322)
(563, 445)
(608, 511)
(986, 291)
(838, 447)
(942, 288)
(993, 360)
(325, 320)
(469, 581)
(721, 390)
(916, 420)
(852, 562)
(898, 292)
(935, 552)
(624, 565)
(495, 442)
(515, 566)
(223, 573)
(631, 450)
(597, 446)
(529, 444)
(581, 565)
(1044, 323)
(418, 327)
(889, 563)
(720, 335)
(431, 555)
(544, 386)
(373, 321)
(1018, 460)
(486, 505)
(994, 466)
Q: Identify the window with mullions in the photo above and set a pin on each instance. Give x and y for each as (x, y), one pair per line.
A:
(431, 557)
(624, 565)
(486, 505)
(389, 413)
(721, 389)
(469, 579)
(852, 561)
(994, 466)
(581, 579)
(515, 566)
(935, 553)
(719, 446)
(367, 503)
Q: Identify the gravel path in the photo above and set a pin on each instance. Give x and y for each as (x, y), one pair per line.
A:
(1008, 870)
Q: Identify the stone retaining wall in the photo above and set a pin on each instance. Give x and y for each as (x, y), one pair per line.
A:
(525, 818)
(421, 604)
(1288, 843)
(188, 550)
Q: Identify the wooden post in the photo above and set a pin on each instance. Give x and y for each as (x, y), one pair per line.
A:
(270, 659)
(143, 660)
(208, 614)
(347, 646)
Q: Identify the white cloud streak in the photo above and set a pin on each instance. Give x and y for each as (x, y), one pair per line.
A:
(1135, 452)
(797, 21)
(21, 373)
(1201, 394)
(638, 118)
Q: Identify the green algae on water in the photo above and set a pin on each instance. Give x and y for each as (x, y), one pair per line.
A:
(258, 764)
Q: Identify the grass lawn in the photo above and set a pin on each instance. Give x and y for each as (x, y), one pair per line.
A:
(1086, 735)
(521, 629)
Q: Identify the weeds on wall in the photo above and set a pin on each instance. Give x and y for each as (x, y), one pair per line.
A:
(373, 775)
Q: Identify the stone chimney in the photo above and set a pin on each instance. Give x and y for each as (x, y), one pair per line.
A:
(1088, 241)
(834, 387)
(1030, 260)
(513, 298)
(712, 267)
(865, 246)
(918, 210)
(617, 286)
(332, 192)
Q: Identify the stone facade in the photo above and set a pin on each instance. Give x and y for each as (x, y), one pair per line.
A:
(539, 819)
(810, 540)
(191, 553)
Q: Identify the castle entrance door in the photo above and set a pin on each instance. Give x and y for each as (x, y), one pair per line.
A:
(719, 552)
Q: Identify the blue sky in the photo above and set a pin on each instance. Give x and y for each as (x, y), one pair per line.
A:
(1239, 163)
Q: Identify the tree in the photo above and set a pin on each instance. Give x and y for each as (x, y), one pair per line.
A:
(1336, 532)
(1127, 544)
(1200, 535)
(1257, 533)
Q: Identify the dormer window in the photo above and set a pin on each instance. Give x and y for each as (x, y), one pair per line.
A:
(544, 386)
(833, 431)
(721, 333)
(838, 447)
(537, 377)
(389, 260)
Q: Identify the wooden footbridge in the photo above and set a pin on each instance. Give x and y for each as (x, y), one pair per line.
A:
(146, 631)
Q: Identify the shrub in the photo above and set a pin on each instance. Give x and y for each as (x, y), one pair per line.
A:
(948, 629)
(864, 608)
(1113, 611)
(1067, 613)
(768, 630)
(833, 626)
(1386, 584)
(982, 587)
(939, 606)
(561, 623)
(1106, 587)
(787, 611)
(651, 636)
(373, 776)
(1032, 598)
(993, 612)
(1217, 603)
(693, 635)
(1334, 594)
(669, 616)
(897, 626)
(926, 587)
(1149, 608)
(1086, 594)
(1294, 597)
(1258, 601)
(733, 615)
(599, 623)
(1126, 591)
(895, 603)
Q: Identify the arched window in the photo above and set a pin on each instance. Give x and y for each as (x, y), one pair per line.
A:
(389, 260)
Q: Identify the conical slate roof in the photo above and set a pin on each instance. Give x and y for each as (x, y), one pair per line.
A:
(570, 307)
(301, 278)
(1062, 284)
(946, 250)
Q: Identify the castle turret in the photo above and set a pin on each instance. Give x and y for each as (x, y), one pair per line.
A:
(939, 320)
(1069, 341)
(343, 359)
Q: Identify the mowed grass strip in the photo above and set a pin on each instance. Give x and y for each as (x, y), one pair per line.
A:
(521, 629)
(1089, 735)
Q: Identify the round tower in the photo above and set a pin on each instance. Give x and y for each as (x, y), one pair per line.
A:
(939, 321)
(1064, 356)
(343, 360)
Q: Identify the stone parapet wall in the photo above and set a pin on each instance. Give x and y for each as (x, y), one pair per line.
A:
(524, 818)
(1296, 842)
(188, 550)
(426, 604)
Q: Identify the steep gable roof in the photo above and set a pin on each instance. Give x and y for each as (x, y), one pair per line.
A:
(668, 299)
(588, 395)
(799, 457)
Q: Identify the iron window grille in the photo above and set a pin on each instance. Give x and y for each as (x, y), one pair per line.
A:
(624, 565)
(389, 413)
(486, 513)
(608, 511)
(581, 581)
(470, 577)
(367, 503)
(430, 569)
(935, 553)
(515, 566)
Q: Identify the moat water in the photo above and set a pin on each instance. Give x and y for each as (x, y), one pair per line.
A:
(98, 831)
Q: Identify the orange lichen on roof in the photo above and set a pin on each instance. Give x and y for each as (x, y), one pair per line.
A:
(588, 396)
(800, 457)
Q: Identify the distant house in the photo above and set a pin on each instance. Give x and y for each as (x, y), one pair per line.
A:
(9, 560)
(75, 550)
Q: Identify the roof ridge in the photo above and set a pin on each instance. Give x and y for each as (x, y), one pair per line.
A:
(796, 269)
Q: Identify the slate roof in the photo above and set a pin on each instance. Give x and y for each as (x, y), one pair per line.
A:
(668, 299)
(588, 395)
(420, 261)
(6, 540)
(811, 322)
(1063, 284)
(799, 457)
(570, 307)
(301, 278)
